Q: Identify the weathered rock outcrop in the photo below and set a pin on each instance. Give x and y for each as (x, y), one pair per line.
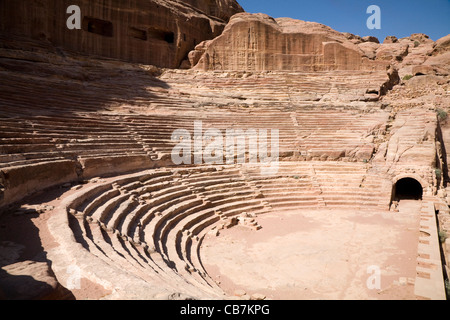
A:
(442, 45)
(259, 42)
(392, 51)
(16, 282)
(424, 72)
(390, 39)
(222, 9)
(413, 55)
(157, 32)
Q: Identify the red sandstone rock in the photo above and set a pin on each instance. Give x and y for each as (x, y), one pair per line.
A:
(392, 51)
(440, 63)
(369, 49)
(390, 39)
(31, 280)
(354, 38)
(442, 45)
(422, 70)
(259, 42)
(22, 180)
(152, 32)
(370, 39)
(420, 37)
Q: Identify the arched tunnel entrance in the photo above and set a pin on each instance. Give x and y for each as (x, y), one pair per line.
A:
(407, 188)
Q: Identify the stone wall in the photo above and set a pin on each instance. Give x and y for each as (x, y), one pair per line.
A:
(153, 32)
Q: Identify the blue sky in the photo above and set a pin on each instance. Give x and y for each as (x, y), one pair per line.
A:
(399, 18)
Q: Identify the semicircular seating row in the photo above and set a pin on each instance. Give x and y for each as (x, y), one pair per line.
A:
(152, 223)
(28, 140)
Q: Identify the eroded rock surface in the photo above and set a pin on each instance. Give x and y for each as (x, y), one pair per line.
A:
(258, 42)
(157, 32)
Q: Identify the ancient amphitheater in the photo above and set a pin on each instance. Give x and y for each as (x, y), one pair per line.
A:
(94, 207)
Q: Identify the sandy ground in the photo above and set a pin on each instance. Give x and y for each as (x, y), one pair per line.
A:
(319, 254)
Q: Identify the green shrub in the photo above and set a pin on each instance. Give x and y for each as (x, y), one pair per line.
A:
(442, 236)
(416, 44)
(407, 77)
(438, 173)
(447, 287)
(442, 114)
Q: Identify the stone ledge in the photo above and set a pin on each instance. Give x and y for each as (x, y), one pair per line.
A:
(429, 282)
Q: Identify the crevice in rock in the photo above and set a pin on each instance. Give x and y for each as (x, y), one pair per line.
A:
(394, 79)
(441, 155)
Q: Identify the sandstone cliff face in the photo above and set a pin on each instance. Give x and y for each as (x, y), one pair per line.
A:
(258, 42)
(157, 32)
(442, 45)
(222, 9)
(413, 55)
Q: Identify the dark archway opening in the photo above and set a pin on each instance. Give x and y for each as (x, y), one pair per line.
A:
(408, 188)
(97, 26)
(161, 35)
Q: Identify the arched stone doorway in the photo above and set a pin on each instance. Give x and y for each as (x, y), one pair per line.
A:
(407, 188)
